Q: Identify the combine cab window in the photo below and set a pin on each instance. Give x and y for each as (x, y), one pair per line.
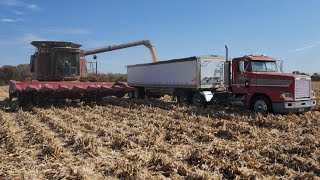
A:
(67, 63)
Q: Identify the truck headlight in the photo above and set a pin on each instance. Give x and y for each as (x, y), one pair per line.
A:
(286, 95)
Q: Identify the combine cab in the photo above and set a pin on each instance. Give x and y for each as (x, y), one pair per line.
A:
(60, 72)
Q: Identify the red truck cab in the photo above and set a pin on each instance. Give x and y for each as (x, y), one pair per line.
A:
(265, 88)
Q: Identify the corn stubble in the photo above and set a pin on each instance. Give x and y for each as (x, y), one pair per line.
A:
(156, 139)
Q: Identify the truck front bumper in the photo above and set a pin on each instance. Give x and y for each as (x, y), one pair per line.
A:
(294, 107)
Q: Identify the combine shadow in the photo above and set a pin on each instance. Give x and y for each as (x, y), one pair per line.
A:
(212, 111)
(13, 106)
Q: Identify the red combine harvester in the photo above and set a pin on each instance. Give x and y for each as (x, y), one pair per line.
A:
(60, 72)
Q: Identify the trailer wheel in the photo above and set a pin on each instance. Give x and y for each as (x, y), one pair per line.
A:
(261, 104)
(198, 100)
(184, 98)
(131, 94)
(139, 93)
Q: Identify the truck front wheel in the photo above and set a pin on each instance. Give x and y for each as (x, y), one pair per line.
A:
(261, 104)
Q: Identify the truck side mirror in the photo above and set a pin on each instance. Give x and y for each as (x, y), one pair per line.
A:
(241, 66)
(281, 66)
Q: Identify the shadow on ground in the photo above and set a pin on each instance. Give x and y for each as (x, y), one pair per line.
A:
(214, 111)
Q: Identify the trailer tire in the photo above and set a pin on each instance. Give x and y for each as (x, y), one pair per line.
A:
(131, 94)
(184, 98)
(261, 104)
(198, 100)
(139, 93)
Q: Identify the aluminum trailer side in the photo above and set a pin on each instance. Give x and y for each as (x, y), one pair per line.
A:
(179, 77)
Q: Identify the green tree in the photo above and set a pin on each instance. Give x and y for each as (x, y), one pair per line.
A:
(298, 72)
(112, 77)
(18, 73)
(315, 77)
(6, 74)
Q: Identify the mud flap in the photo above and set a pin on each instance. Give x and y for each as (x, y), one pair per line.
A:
(207, 95)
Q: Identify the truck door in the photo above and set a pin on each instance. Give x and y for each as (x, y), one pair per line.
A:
(242, 77)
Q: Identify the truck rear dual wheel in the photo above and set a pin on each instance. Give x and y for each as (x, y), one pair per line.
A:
(261, 104)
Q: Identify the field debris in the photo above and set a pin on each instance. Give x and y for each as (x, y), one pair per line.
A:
(156, 139)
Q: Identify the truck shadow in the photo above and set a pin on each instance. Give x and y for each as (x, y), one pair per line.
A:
(212, 111)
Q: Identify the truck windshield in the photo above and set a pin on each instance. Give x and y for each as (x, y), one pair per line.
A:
(67, 63)
(265, 66)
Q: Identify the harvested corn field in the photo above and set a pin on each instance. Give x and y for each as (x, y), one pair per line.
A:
(156, 139)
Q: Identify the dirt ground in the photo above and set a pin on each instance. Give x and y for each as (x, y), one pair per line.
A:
(156, 139)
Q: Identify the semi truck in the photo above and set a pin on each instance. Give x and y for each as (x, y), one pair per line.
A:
(255, 82)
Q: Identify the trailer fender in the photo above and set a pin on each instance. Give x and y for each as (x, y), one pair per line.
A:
(207, 95)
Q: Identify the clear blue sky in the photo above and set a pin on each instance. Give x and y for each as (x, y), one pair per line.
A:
(286, 29)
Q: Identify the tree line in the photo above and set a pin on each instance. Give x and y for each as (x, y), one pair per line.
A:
(22, 72)
(314, 76)
(18, 73)
(112, 77)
